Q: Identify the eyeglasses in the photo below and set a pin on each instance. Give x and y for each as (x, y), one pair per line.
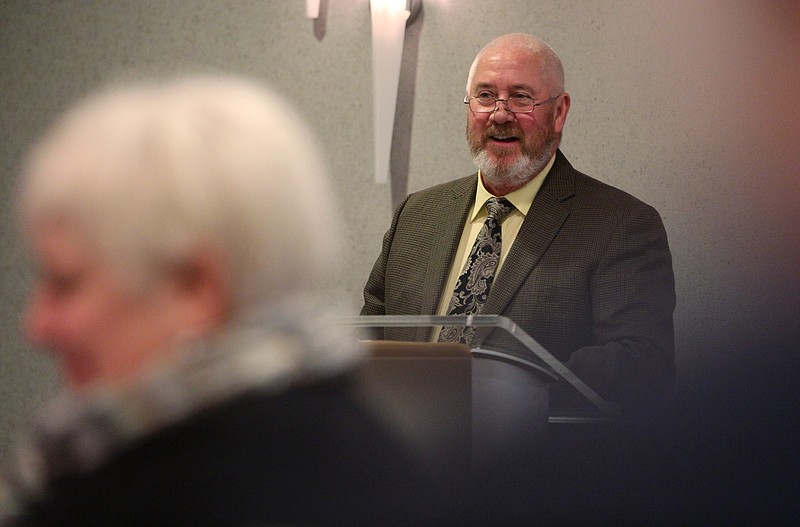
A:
(517, 103)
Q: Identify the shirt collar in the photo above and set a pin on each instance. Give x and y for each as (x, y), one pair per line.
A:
(522, 198)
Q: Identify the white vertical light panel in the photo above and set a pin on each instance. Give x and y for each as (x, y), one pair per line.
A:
(312, 8)
(388, 34)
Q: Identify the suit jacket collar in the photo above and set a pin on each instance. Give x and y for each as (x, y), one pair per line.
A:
(560, 181)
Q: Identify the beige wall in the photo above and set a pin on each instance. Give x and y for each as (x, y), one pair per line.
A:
(692, 105)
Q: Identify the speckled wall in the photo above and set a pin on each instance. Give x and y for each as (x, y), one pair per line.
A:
(692, 105)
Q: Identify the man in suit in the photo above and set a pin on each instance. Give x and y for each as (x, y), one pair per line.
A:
(584, 268)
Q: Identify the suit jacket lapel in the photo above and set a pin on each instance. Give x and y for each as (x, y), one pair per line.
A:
(449, 224)
(542, 223)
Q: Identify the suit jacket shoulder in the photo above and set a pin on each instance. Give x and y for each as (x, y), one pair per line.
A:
(565, 183)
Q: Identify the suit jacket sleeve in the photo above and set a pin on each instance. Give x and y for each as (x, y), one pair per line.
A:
(632, 296)
(374, 290)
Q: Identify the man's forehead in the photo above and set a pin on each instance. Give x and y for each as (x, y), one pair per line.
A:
(523, 61)
(524, 72)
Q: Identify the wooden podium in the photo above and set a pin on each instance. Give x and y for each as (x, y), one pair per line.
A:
(426, 390)
(456, 404)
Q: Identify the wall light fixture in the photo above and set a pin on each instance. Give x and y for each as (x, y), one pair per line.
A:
(389, 19)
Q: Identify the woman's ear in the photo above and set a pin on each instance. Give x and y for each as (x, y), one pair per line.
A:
(202, 285)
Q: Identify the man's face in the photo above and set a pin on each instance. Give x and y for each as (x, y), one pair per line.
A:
(511, 148)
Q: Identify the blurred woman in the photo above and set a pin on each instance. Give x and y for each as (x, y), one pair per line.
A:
(176, 229)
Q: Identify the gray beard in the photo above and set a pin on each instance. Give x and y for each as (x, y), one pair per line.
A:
(518, 173)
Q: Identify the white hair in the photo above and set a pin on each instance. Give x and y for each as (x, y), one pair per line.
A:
(152, 171)
(550, 64)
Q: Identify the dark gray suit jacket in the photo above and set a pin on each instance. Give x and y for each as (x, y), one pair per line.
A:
(589, 276)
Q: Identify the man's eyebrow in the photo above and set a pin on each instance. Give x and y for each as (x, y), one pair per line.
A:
(514, 87)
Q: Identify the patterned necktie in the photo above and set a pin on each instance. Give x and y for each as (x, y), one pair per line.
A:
(476, 278)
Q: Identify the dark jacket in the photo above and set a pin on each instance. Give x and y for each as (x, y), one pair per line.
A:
(589, 277)
(311, 455)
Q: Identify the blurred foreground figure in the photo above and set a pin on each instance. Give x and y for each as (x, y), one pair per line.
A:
(176, 228)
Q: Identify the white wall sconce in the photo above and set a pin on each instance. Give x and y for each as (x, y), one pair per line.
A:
(389, 19)
(312, 8)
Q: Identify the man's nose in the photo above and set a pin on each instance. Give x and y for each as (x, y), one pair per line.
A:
(501, 114)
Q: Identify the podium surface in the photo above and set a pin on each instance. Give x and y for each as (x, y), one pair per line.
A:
(535, 357)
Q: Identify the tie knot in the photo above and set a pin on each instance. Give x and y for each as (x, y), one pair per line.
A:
(498, 208)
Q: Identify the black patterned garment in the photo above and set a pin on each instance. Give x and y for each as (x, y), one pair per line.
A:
(264, 425)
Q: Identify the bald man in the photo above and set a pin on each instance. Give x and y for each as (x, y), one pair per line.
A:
(582, 267)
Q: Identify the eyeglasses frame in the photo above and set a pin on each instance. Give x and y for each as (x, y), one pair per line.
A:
(467, 98)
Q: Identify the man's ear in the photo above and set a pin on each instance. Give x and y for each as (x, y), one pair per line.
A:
(202, 284)
(561, 111)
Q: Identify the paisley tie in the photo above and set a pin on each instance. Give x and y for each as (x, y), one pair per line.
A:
(476, 278)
